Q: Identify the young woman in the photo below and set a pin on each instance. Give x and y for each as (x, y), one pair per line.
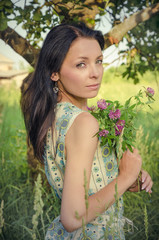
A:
(61, 130)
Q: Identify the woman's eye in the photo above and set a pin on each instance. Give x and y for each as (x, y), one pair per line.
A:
(99, 61)
(80, 65)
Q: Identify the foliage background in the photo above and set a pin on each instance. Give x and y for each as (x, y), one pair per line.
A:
(29, 208)
(134, 22)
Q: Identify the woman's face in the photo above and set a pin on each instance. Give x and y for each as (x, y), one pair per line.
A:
(81, 72)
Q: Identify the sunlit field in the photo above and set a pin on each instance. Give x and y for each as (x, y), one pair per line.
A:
(27, 206)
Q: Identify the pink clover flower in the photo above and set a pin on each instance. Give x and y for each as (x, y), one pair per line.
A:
(119, 127)
(103, 133)
(150, 92)
(102, 104)
(114, 115)
(92, 108)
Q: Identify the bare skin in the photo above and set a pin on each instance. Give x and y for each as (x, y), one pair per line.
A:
(79, 79)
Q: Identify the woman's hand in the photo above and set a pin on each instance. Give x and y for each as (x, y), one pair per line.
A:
(146, 182)
(130, 166)
(142, 183)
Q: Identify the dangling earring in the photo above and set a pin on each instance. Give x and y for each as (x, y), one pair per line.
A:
(55, 88)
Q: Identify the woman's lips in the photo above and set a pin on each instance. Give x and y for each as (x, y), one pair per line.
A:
(94, 86)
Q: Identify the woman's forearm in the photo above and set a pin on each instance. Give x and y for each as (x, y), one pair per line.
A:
(98, 203)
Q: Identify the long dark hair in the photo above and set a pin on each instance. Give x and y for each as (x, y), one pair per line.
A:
(39, 101)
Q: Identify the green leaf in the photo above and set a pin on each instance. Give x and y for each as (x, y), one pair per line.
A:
(78, 8)
(110, 4)
(91, 21)
(3, 22)
(127, 102)
(8, 3)
(132, 107)
(9, 10)
(37, 16)
(125, 73)
(109, 142)
(87, 6)
(130, 147)
(2, 3)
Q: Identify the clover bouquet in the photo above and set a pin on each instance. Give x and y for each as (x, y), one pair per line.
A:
(117, 121)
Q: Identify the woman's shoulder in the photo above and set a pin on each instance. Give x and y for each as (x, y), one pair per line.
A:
(82, 133)
(86, 117)
(76, 118)
(86, 122)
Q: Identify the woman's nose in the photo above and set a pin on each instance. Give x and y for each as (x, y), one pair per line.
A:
(94, 71)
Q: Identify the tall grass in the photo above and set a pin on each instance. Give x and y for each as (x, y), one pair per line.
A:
(135, 202)
(19, 204)
(17, 192)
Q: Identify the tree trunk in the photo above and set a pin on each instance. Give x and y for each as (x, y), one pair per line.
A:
(20, 45)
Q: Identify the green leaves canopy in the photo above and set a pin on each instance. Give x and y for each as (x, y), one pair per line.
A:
(38, 16)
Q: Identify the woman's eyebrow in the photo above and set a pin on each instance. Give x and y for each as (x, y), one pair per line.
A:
(100, 56)
(87, 57)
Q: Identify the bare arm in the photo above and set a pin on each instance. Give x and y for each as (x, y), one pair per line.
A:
(80, 148)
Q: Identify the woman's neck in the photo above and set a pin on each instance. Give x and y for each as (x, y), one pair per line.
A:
(78, 102)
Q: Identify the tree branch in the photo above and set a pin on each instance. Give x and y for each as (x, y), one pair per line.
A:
(80, 9)
(117, 33)
(28, 52)
(20, 45)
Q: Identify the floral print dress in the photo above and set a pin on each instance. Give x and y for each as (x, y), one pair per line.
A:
(108, 225)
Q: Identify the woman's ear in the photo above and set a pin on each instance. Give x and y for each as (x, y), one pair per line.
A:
(54, 76)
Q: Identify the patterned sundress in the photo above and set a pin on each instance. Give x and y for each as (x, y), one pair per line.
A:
(108, 225)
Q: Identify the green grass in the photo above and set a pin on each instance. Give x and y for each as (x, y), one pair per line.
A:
(19, 193)
(16, 186)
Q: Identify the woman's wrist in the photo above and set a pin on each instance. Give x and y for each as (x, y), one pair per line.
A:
(125, 182)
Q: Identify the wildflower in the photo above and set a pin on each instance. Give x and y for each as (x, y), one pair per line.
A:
(92, 108)
(114, 115)
(109, 118)
(111, 115)
(117, 114)
(102, 104)
(119, 127)
(150, 92)
(103, 133)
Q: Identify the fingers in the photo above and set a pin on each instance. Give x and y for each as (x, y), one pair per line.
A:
(134, 187)
(146, 182)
